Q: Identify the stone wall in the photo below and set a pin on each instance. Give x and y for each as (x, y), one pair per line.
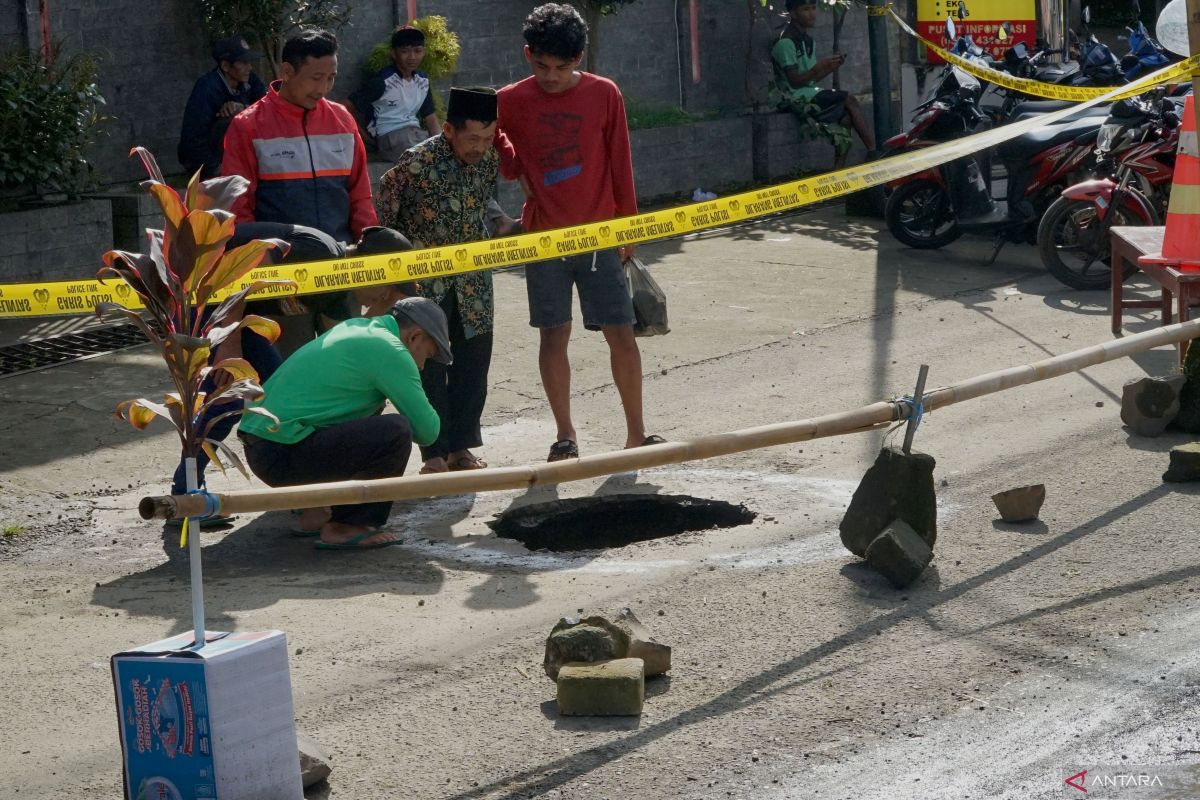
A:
(55, 243)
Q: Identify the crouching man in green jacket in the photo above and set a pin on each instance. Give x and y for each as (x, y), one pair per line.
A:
(327, 397)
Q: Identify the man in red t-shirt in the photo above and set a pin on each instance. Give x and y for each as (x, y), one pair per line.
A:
(566, 140)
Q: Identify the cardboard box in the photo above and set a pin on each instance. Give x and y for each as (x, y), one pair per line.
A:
(208, 724)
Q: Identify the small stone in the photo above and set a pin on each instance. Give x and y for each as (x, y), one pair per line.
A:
(314, 761)
(604, 689)
(655, 656)
(1185, 464)
(584, 641)
(899, 554)
(1149, 405)
(1021, 504)
(420, 602)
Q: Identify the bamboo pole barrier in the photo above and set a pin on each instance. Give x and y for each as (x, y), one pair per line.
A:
(865, 418)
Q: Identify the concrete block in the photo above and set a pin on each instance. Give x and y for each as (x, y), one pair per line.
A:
(897, 486)
(604, 689)
(1184, 465)
(1021, 504)
(899, 554)
(1149, 405)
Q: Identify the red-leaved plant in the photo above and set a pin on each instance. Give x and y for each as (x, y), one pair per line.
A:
(185, 269)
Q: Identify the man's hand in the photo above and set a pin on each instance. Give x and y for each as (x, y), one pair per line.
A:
(625, 252)
(507, 226)
(831, 63)
(231, 109)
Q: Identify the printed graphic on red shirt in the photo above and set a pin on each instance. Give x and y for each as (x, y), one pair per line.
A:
(558, 144)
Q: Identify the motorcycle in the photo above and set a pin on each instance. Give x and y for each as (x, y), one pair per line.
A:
(1133, 190)
(932, 208)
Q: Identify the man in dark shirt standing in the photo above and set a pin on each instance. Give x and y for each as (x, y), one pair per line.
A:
(217, 98)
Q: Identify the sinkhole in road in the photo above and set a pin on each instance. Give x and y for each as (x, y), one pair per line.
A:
(593, 523)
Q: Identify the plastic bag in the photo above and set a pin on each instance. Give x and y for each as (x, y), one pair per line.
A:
(649, 300)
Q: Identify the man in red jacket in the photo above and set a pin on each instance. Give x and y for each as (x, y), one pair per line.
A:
(302, 153)
(568, 144)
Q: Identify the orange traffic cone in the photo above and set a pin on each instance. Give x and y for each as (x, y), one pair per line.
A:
(1181, 241)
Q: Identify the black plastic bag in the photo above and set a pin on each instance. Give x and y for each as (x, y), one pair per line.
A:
(649, 300)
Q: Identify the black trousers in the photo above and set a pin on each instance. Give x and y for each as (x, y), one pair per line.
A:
(373, 447)
(458, 392)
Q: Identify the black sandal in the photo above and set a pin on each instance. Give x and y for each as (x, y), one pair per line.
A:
(562, 450)
(654, 439)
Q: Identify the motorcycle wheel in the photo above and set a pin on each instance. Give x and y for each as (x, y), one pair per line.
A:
(918, 214)
(1074, 245)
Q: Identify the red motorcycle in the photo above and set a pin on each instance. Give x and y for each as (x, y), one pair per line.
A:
(1073, 235)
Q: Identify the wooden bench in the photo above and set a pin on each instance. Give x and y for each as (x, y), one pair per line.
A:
(1128, 243)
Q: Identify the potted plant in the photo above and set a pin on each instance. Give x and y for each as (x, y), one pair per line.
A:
(187, 267)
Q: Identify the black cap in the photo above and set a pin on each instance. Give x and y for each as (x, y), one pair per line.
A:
(477, 103)
(429, 317)
(408, 36)
(378, 239)
(233, 48)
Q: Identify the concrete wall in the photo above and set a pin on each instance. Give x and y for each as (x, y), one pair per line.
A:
(57, 243)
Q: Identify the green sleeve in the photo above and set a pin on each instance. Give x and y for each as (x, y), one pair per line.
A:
(399, 381)
(784, 53)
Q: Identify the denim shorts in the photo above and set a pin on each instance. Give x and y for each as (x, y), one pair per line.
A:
(603, 291)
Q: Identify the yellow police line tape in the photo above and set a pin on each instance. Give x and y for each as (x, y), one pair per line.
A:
(1051, 91)
(81, 297)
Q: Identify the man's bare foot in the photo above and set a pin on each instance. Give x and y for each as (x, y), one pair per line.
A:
(342, 536)
(434, 465)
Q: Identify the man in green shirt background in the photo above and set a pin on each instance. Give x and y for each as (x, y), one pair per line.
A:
(327, 397)
(797, 71)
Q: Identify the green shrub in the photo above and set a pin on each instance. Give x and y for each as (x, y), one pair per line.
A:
(49, 115)
(442, 49)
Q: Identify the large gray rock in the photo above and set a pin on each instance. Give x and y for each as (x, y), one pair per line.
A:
(899, 554)
(314, 761)
(897, 486)
(1185, 464)
(587, 640)
(607, 688)
(1149, 405)
(1021, 504)
(656, 656)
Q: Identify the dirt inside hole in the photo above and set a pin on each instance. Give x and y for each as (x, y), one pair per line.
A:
(592, 523)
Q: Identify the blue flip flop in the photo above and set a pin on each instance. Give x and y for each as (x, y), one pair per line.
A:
(356, 542)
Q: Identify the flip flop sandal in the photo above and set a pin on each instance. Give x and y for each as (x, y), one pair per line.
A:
(467, 463)
(356, 542)
(650, 440)
(562, 450)
(428, 471)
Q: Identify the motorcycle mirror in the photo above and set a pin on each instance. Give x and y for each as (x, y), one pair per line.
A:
(1003, 33)
(963, 13)
(1171, 28)
(1086, 16)
(951, 30)
(1137, 9)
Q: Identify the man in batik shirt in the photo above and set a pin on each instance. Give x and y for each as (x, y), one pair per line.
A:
(436, 195)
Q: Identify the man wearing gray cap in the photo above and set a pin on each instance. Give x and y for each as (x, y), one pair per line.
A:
(327, 397)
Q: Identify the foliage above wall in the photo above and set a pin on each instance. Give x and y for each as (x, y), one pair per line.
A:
(50, 115)
(268, 23)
